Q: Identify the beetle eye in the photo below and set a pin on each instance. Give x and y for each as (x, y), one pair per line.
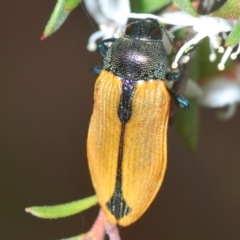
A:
(147, 29)
(130, 28)
(155, 33)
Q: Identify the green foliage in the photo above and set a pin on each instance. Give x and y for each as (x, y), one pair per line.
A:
(230, 10)
(187, 122)
(234, 36)
(59, 15)
(210, 69)
(186, 6)
(63, 210)
(145, 6)
(71, 4)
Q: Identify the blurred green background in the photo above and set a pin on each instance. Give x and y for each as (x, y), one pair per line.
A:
(46, 102)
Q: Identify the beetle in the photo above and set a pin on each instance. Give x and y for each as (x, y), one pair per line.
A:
(127, 138)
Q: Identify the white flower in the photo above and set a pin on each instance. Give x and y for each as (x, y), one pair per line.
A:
(110, 15)
(220, 92)
(205, 26)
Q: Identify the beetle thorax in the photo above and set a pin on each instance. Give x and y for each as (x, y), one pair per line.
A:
(133, 59)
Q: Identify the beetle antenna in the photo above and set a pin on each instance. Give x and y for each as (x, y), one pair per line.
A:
(89, 19)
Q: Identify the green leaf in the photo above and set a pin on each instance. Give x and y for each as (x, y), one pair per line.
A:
(210, 69)
(229, 10)
(187, 122)
(63, 210)
(58, 16)
(78, 237)
(234, 36)
(71, 4)
(186, 6)
(145, 6)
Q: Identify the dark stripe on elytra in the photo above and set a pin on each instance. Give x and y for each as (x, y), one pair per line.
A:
(117, 205)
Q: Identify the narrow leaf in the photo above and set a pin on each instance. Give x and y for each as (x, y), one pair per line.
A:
(145, 6)
(210, 69)
(229, 10)
(63, 210)
(186, 6)
(234, 36)
(71, 4)
(58, 16)
(187, 122)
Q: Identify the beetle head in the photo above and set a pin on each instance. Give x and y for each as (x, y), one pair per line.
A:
(147, 29)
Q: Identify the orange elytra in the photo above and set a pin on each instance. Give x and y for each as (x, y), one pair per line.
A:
(127, 138)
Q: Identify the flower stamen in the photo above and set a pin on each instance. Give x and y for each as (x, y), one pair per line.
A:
(234, 55)
(92, 45)
(193, 41)
(221, 65)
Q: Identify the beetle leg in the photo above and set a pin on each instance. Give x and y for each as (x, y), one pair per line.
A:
(96, 69)
(102, 47)
(182, 101)
(175, 74)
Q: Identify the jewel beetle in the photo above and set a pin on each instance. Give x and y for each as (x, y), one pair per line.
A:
(127, 138)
